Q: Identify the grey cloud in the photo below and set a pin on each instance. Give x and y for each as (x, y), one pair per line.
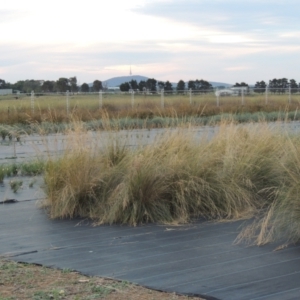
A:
(239, 16)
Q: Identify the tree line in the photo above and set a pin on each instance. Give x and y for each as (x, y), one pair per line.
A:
(50, 86)
(277, 86)
(150, 84)
(153, 85)
(70, 84)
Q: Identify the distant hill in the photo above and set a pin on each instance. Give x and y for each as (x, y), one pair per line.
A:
(215, 84)
(116, 81)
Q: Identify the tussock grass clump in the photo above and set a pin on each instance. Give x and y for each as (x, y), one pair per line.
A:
(280, 220)
(80, 180)
(179, 177)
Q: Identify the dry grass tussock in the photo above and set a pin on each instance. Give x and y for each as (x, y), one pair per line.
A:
(241, 172)
(280, 220)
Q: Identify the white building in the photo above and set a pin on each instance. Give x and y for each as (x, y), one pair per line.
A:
(113, 89)
(233, 91)
(225, 92)
(239, 89)
(6, 91)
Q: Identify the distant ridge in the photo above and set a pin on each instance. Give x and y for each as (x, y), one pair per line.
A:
(215, 84)
(116, 81)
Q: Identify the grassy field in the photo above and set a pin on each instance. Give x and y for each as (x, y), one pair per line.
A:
(87, 107)
(242, 172)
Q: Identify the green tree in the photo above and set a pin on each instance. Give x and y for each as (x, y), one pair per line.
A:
(125, 87)
(180, 86)
(97, 86)
(260, 87)
(278, 85)
(142, 85)
(161, 85)
(18, 85)
(203, 86)
(133, 84)
(28, 85)
(241, 84)
(73, 84)
(85, 88)
(151, 84)
(62, 85)
(294, 86)
(48, 86)
(4, 85)
(191, 85)
(168, 86)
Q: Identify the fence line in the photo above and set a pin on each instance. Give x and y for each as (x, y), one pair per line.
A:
(132, 98)
(225, 91)
(32, 102)
(100, 99)
(67, 101)
(241, 92)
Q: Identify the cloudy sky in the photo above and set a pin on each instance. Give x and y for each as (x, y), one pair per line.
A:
(227, 41)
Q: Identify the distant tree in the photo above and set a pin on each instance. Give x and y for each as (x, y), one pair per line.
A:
(294, 86)
(161, 85)
(48, 86)
(278, 85)
(97, 85)
(273, 85)
(203, 86)
(151, 84)
(284, 84)
(241, 84)
(62, 85)
(85, 88)
(142, 84)
(125, 87)
(73, 84)
(168, 86)
(180, 86)
(18, 85)
(133, 84)
(27, 86)
(4, 85)
(191, 85)
(260, 87)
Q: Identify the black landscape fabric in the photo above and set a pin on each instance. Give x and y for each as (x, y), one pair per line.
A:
(196, 259)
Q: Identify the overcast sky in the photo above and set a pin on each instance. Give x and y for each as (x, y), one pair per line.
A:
(227, 41)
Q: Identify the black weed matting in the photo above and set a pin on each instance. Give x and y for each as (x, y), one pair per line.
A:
(195, 259)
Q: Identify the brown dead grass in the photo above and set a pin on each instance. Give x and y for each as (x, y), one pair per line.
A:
(86, 108)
